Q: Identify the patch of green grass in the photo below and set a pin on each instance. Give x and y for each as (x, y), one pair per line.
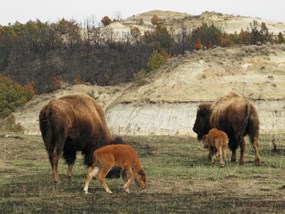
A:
(180, 178)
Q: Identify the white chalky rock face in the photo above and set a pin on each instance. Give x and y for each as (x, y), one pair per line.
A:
(165, 119)
(178, 119)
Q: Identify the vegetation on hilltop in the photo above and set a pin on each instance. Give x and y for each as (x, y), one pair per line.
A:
(12, 95)
(45, 54)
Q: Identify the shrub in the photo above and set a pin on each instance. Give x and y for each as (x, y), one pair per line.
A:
(209, 35)
(280, 38)
(159, 39)
(140, 77)
(106, 20)
(155, 20)
(93, 94)
(198, 44)
(12, 95)
(244, 37)
(9, 124)
(155, 60)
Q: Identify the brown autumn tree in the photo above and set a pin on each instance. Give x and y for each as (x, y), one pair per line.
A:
(106, 20)
(155, 20)
(198, 44)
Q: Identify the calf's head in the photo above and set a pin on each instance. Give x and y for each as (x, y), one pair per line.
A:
(140, 179)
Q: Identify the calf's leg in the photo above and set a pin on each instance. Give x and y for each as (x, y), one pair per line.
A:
(222, 160)
(101, 177)
(129, 181)
(91, 173)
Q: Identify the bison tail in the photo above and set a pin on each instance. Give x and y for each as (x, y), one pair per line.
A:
(46, 128)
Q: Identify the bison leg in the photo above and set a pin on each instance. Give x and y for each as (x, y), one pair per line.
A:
(91, 173)
(124, 175)
(225, 153)
(129, 181)
(101, 177)
(222, 160)
(211, 153)
(54, 158)
(242, 149)
(69, 155)
(215, 152)
(69, 171)
(234, 155)
(254, 143)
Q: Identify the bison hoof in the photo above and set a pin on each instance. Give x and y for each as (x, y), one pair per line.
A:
(241, 162)
(127, 190)
(55, 182)
(257, 162)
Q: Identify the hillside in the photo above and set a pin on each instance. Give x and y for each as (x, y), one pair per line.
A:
(176, 21)
(166, 104)
(69, 52)
(257, 72)
(167, 101)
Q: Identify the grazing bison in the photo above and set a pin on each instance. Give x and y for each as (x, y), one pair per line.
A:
(216, 141)
(234, 115)
(107, 157)
(73, 123)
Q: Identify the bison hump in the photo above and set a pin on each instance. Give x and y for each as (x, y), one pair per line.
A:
(229, 100)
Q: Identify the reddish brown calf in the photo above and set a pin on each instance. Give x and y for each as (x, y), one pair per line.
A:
(216, 141)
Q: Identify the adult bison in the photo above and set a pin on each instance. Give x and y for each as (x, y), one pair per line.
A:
(234, 115)
(73, 123)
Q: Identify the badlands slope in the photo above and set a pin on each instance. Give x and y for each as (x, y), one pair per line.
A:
(167, 103)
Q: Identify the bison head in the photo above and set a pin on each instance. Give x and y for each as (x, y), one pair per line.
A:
(201, 125)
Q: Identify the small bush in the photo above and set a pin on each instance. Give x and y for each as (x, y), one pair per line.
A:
(106, 20)
(140, 77)
(92, 95)
(9, 124)
(12, 95)
(155, 60)
(155, 20)
(280, 38)
(198, 44)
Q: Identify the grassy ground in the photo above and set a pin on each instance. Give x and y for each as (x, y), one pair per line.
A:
(180, 179)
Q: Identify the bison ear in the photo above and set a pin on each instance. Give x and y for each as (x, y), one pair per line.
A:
(119, 140)
(204, 106)
(141, 172)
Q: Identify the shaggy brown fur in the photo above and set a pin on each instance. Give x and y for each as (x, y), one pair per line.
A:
(234, 115)
(73, 123)
(123, 156)
(216, 141)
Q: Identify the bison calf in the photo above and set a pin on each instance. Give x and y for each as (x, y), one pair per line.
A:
(216, 141)
(120, 155)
